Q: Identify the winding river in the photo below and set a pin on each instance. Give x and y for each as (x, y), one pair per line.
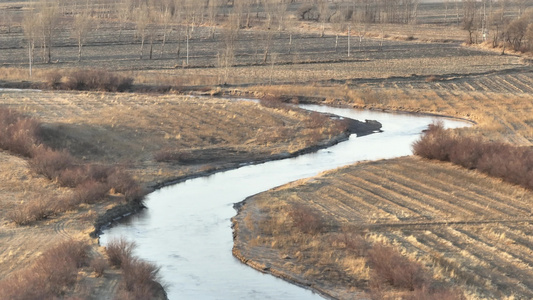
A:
(187, 229)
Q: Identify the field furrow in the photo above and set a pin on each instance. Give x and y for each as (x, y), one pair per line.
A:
(429, 207)
(508, 202)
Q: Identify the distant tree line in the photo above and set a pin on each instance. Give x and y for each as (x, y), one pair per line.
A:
(502, 23)
(159, 23)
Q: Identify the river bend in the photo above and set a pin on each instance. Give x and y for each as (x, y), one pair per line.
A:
(186, 229)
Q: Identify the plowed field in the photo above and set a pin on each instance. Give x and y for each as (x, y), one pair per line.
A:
(467, 229)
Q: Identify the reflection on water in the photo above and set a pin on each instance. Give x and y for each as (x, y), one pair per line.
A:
(186, 228)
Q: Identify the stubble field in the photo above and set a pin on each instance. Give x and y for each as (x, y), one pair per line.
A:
(466, 229)
(129, 130)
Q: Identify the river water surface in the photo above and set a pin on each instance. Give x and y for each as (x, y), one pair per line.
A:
(186, 229)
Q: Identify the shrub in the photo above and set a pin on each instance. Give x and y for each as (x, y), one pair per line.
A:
(123, 183)
(510, 163)
(389, 267)
(50, 163)
(273, 102)
(53, 79)
(434, 144)
(100, 80)
(118, 251)
(18, 134)
(53, 273)
(98, 265)
(90, 192)
(172, 156)
(34, 210)
(306, 220)
(352, 242)
(139, 275)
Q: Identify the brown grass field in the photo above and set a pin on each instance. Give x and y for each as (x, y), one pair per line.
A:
(129, 129)
(465, 229)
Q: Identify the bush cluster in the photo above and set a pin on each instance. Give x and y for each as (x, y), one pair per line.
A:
(18, 134)
(54, 272)
(306, 220)
(139, 278)
(510, 163)
(91, 182)
(92, 79)
(390, 269)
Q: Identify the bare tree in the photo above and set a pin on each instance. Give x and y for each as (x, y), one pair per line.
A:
(324, 14)
(268, 39)
(124, 13)
(49, 22)
(142, 19)
(226, 57)
(470, 23)
(212, 12)
(517, 30)
(81, 27)
(30, 25)
(165, 19)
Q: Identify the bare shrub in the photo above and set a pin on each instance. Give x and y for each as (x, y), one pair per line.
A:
(306, 219)
(273, 102)
(98, 265)
(510, 163)
(50, 163)
(140, 276)
(466, 152)
(72, 176)
(100, 80)
(434, 144)
(435, 294)
(51, 275)
(123, 183)
(118, 251)
(53, 79)
(31, 211)
(389, 267)
(352, 242)
(172, 156)
(99, 172)
(18, 134)
(90, 192)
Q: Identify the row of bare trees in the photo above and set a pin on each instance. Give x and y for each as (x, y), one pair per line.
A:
(502, 23)
(163, 22)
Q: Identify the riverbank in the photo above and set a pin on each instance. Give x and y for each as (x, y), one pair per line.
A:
(129, 129)
(402, 203)
(399, 184)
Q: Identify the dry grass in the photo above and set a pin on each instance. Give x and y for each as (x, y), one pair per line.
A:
(51, 275)
(499, 116)
(129, 127)
(100, 130)
(448, 223)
